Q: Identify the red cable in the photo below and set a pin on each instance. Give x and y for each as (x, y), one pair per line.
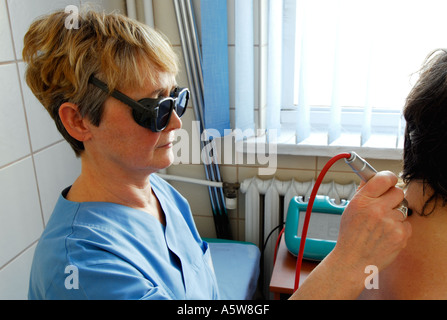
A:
(309, 211)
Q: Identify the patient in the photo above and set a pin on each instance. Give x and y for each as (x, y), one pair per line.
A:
(420, 270)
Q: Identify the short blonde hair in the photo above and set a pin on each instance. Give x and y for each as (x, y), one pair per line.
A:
(122, 52)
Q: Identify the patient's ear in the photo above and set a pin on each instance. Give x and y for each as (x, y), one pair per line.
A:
(77, 126)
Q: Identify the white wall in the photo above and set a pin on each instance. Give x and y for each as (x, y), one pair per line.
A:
(35, 162)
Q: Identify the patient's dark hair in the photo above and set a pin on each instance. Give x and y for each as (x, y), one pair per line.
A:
(425, 144)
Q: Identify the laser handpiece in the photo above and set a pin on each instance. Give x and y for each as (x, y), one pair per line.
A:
(365, 171)
(362, 168)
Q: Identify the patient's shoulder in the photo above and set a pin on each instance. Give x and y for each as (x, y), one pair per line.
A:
(419, 272)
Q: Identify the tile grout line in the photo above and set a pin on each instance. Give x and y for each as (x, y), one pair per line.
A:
(25, 114)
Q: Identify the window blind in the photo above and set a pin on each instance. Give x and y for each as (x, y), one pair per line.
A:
(338, 71)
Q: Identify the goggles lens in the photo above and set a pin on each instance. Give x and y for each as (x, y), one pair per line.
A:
(178, 101)
(150, 113)
(165, 108)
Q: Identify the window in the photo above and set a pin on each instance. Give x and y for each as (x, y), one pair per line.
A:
(342, 69)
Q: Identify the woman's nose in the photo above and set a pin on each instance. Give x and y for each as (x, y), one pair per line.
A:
(174, 122)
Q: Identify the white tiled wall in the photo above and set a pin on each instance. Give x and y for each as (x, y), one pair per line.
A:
(35, 162)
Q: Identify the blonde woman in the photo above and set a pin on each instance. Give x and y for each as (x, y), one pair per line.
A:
(117, 232)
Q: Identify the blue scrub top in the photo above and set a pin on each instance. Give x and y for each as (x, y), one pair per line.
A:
(98, 250)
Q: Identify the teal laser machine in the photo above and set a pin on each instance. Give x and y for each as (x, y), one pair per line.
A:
(323, 228)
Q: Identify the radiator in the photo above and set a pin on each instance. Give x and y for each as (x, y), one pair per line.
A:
(266, 205)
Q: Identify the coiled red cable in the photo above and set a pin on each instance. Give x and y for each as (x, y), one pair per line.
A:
(309, 212)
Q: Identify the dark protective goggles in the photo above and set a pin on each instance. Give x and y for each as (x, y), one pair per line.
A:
(153, 114)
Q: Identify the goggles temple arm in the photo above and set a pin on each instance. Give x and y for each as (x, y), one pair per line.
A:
(122, 97)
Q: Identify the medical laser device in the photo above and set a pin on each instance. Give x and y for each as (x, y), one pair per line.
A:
(324, 233)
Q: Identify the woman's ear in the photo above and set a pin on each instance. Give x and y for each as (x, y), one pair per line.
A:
(77, 126)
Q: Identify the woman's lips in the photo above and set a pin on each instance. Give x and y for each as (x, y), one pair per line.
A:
(166, 145)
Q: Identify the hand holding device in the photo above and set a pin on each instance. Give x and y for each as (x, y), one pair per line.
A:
(365, 171)
(369, 229)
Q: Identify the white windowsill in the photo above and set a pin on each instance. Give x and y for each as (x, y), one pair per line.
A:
(330, 151)
(378, 147)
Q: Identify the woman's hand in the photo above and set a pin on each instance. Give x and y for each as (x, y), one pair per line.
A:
(372, 232)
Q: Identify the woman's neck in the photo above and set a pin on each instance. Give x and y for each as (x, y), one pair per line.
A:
(105, 183)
